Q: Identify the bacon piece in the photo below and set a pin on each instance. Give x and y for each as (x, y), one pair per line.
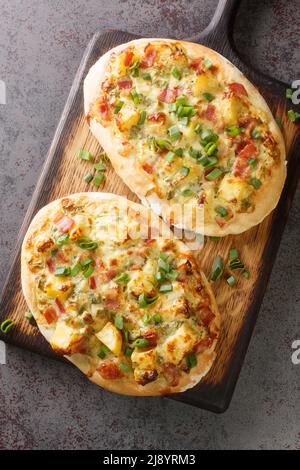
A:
(50, 315)
(147, 376)
(210, 112)
(151, 336)
(241, 168)
(60, 305)
(150, 56)
(148, 168)
(196, 65)
(50, 264)
(107, 275)
(45, 246)
(111, 299)
(109, 370)
(64, 223)
(157, 117)
(168, 95)
(171, 374)
(149, 242)
(249, 151)
(125, 83)
(238, 89)
(92, 282)
(79, 345)
(220, 221)
(202, 344)
(60, 255)
(206, 316)
(128, 58)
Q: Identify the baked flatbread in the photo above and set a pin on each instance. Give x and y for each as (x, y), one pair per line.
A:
(183, 126)
(114, 292)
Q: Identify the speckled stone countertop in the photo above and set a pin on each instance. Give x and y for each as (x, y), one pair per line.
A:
(48, 405)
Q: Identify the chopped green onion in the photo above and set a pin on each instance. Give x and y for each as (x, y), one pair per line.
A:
(87, 244)
(221, 211)
(233, 254)
(86, 155)
(187, 192)
(164, 144)
(255, 182)
(194, 153)
(252, 163)
(126, 335)
(157, 318)
(234, 131)
(172, 275)
(245, 274)
(208, 96)
(214, 174)
(176, 73)
(185, 111)
(146, 76)
(128, 352)
(135, 97)
(124, 367)
(146, 318)
(122, 278)
(103, 351)
(210, 148)
(145, 301)
(75, 270)
(166, 288)
(198, 129)
(234, 260)
(172, 107)
(86, 262)
(140, 343)
(62, 271)
(63, 239)
(214, 238)
(174, 133)
(88, 177)
(207, 63)
(256, 134)
(160, 277)
(191, 360)
(231, 281)
(217, 269)
(179, 152)
(293, 115)
(164, 256)
(289, 93)
(180, 101)
(29, 315)
(184, 121)
(207, 135)
(134, 68)
(142, 118)
(98, 179)
(184, 170)
(170, 156)
(118, 107)
(100, 167)
(89, 271)
(207, 162)
(163, 265)
(6, 325)
(278, 121)
(119, 322)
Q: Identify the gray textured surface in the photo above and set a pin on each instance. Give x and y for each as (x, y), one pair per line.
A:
(49, 405)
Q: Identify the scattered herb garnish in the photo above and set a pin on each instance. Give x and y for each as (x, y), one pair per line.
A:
(85, 155)
(293, 115)
(217, 269)
(6, 325)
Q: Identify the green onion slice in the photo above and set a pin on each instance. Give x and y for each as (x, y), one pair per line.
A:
(6, 325)
(119, 322)
(86, 155)
(217, 269)
(87, 243)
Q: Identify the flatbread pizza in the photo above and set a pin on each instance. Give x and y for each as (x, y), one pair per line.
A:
(118, 295)
(183, 126)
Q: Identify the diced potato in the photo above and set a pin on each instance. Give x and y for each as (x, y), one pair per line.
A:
(231, 108)
(62, 338)
(111, 337)
(144, 359)
(178, 345)
(232, 189)
(206, 83)
(140, 283)
(127, 118)
(54, 290)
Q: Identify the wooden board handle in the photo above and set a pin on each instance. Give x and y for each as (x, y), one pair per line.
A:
(220, 28)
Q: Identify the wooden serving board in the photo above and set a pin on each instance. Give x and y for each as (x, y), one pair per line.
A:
(239, 305)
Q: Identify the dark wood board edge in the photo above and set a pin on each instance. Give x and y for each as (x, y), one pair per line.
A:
(245, 333)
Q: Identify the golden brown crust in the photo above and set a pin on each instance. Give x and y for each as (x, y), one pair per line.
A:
(141, 184)
(125, 385)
